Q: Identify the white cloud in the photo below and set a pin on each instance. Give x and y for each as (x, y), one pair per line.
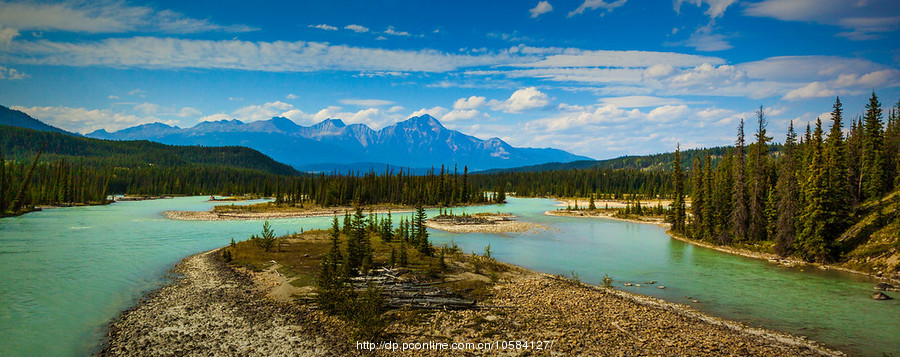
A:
(707, 76)
(7, 35)
(391, 31)
(608, 131)
(147, 108)
(473, 102)
(658, 71)
(812, 90)
(705, 41)
(436, 112)
(323, 27)
(291, 96)
(215, 117)
(103, 17)
(522, 100)
(11, 73)
(462, 114)
(112, 97)
(366, 102)
(640, 101)
(542, 7)
(861, 19)
(262, 112)
(279, 56)
(189, 112)
(395, 109)
(569, 57)
(356, 28)
(716, 7)
(596, 4)
(86, 120)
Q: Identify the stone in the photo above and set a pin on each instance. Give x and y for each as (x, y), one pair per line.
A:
(661, 287)
(883, 286)
(880, 296)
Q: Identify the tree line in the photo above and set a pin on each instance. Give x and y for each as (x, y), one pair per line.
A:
(802, 200)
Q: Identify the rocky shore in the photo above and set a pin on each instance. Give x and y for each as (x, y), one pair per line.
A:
(217, 310)
(594, 321)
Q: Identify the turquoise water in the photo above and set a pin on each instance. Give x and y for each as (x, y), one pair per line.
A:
(64, 273)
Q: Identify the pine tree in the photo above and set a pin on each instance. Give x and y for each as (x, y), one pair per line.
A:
(334, 253)
(873, 145)
(723, 198)
(739, 215)
(355, 249)
(811, 243)
(421, 232)
(591, 205)
(854, 157)
(892, 146)
(348, 224)
(837, 196)
(758, 189)
(678, 205)
(697, 202)
(501, 194)
(387, 228)
(787, 190)
(708, 206)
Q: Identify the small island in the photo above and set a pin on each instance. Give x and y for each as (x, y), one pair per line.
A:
(272, 210)
(486, 222)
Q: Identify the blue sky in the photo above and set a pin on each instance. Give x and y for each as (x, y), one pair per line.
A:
(597, 78)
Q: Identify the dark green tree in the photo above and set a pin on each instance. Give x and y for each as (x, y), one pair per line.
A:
(811, 244)
(759, 181)
(678, 205)
(788, 194)
(873, 145)
(739, 214)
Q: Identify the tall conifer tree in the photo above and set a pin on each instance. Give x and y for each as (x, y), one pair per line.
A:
(759, 180)
(787, 190)
(739, 215)
(873, 146)
(678, 206)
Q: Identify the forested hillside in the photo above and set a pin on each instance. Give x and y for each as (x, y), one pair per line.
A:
(50, 168)
(806, 202)
(45, 168)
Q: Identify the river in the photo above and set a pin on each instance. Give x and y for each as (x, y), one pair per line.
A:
(65, 273)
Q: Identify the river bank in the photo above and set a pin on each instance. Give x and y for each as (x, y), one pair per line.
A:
(772, 258)
(256, 216)
(214, 309)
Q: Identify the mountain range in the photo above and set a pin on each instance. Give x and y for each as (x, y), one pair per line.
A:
(418, 142)
(12, 117)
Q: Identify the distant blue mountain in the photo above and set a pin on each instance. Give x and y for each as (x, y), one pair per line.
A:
(418, 142)
(12, 117)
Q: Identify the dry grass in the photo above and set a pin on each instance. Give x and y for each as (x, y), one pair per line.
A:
(300, 258)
